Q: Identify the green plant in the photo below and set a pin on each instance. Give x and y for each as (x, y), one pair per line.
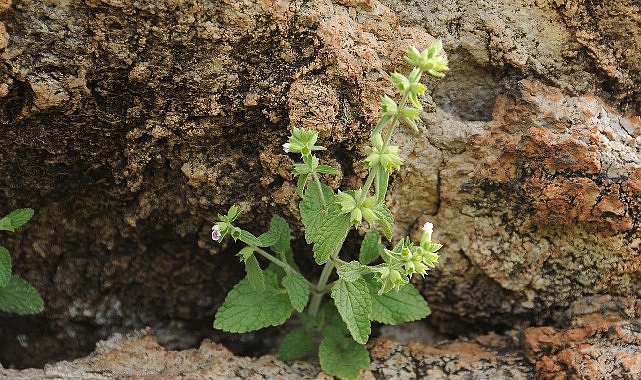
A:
(374, 288)
(16, 294)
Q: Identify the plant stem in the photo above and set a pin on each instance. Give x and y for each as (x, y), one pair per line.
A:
(319, 289)
(388, 136)
(278, 262)
(320, 188)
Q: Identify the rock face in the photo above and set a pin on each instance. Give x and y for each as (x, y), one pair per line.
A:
(128, 125)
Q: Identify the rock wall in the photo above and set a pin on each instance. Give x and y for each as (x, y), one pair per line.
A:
(129, 125)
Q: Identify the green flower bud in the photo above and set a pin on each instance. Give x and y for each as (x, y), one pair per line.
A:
(401, 82)
(346, 201)
(406, 253)
(430, 60)
(356, 217)
(302, 141)
(430, 259)
(235, 233)
(388, 106)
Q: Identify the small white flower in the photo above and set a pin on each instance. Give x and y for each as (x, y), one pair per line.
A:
(428, 227)
(215, 232)
(286, 147)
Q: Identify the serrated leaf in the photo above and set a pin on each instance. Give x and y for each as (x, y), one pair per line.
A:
(245, 309)
(354, 304)
(249, 239)
(385, 219)
(20, 297)
(405, 305)
(5, 267)
(297, 290)
(278, 236)
(350, 271)
(300, 184)
(331, 234)
(312, 211)
(254, 274)
(340, 355)
(16, 219)
(5, 224)
(245, 253)
(326, 169)
(296, 345)
(371, 247)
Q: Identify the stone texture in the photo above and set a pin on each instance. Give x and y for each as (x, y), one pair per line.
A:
(547, 194)
(602, 341)
(128, 125)
(139, 356)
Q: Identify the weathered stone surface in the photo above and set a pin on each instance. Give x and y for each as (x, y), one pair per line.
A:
(544, 200)
(141, 357)
(129, 125)
(602, 341)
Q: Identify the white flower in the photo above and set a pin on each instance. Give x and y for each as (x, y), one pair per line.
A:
(286, 147)
(428, 227)
(215, 232)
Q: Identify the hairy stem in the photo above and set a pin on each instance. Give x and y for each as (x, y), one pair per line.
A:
(320, 188)
(388, 136)
(288, 268)
(320, 288)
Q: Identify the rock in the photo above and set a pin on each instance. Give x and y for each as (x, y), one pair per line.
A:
(548, 196)
(602, 341)
(129, 125)
(139, 356)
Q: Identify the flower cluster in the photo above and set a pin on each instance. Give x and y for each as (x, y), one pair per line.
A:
(407, 259)
(225, 225)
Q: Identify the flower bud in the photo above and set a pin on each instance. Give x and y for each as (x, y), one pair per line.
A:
(346, 201)
(356, 217)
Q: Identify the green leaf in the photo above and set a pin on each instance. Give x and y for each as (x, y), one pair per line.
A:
(278, 236)
(371, 247)
(326, 169)
(385, 219)
(296, 345)
(300, 184)
(331, 234)
(245, 309)
(16, 219)
(382, 182)
(5, 267)
(297, 290)
(311, 208)
(245, 253)
(339, 354)
(405, 305)
(249, 239)
(351, 271)
(354, 304)
(254, 274)
(20, 297)
(278, 239)
(382, 122)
